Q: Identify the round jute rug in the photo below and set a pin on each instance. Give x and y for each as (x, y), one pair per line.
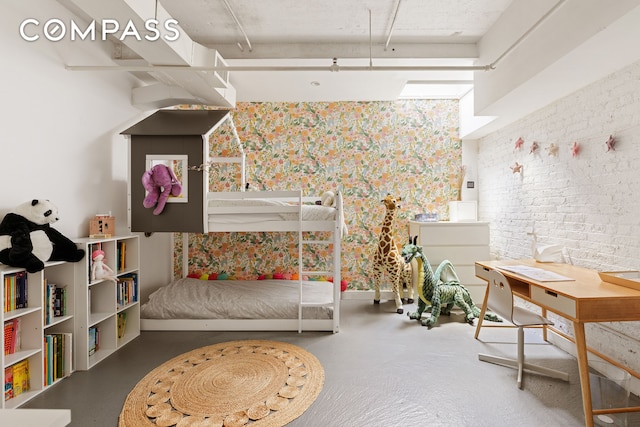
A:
(256, 383)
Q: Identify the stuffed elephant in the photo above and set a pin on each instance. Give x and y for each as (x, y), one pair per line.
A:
(160, 182)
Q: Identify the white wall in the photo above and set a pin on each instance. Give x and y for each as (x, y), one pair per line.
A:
(589, 203)
(60, 130)
(579, 43)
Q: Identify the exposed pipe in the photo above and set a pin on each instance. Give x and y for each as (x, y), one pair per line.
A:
(370, 43)
(526, 33)
(334, 67)
(235, 18)
(393, 22)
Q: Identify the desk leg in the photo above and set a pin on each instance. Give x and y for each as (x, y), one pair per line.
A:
(482, 311)
(583, 367)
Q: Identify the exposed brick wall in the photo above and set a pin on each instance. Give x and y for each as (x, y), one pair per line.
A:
(590, 203)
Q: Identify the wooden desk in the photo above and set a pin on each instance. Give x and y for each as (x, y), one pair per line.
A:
(585, 299)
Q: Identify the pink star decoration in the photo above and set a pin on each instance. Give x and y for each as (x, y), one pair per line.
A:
(575, 149)
(517, 168)
(611, 143)
(552, 149)
(519, 143)
(534, 147)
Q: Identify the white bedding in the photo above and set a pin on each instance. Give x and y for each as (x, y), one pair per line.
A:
(309, 212)
(237, 299)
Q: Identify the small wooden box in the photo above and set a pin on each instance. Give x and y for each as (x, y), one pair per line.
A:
(102, 226)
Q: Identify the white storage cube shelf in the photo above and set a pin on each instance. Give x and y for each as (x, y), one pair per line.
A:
(34, 326)
(99, 330)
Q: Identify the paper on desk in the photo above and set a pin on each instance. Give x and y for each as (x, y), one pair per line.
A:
(534, 273)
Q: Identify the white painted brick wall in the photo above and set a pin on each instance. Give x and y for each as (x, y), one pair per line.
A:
(590, 204)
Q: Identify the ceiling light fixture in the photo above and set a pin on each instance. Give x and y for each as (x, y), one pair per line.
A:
(334, 66)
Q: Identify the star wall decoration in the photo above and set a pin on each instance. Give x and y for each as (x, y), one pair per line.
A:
(575, 149)
(552, 149)
(517, 168)
(519, 143)
(611, 143)
(534, 147)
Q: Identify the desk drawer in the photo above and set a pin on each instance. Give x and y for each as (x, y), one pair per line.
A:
(482, 272)
(554, 301)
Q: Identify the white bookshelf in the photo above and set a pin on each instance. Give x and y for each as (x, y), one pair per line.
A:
(97, 302)
(35, 326)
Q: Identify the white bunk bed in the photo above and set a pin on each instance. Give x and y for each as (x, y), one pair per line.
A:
(290, 305)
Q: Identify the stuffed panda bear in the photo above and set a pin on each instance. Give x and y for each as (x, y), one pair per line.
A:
(28, 241)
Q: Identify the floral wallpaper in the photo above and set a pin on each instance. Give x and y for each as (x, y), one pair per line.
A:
(408, 148)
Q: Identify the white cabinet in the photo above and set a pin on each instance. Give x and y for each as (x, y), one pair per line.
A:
(462, 243)
(42, 324)
(108, 311)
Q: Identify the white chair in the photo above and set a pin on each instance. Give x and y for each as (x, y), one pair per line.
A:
(500, 301)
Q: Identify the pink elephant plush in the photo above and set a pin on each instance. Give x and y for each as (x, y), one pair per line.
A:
(160, 182)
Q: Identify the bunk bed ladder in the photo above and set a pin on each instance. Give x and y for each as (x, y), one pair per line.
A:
(335, 240)
(300, 247)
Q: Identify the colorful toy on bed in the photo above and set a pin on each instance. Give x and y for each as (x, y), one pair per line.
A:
(269, 276)
(211, 276)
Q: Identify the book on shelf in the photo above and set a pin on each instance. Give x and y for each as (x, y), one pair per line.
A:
(12, 336)
(121, 254)
(67, 356)
(57, 357)
(60, 302)
(127, 289)
(94, 340)
(54, 301)
(8, 383)
(9, 330)
(49, 301)
(21, 377)
(15, 291)
(48, 365)
(122, 323)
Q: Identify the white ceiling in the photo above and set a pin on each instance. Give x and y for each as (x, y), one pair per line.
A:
(317, 25)
(519, 55)
(356, 32)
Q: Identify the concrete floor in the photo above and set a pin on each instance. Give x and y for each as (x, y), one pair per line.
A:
(382, 369)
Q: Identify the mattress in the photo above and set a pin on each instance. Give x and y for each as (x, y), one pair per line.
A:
(254, 214)
(255, 211)
(238, 299)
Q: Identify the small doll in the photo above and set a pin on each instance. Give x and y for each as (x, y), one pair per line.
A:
(100, 270)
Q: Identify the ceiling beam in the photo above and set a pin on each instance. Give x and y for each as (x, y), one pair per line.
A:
(349, 50)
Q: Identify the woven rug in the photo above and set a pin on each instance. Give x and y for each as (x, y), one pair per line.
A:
(256, 383)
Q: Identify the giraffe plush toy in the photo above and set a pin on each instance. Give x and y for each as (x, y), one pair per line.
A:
(388, 261)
